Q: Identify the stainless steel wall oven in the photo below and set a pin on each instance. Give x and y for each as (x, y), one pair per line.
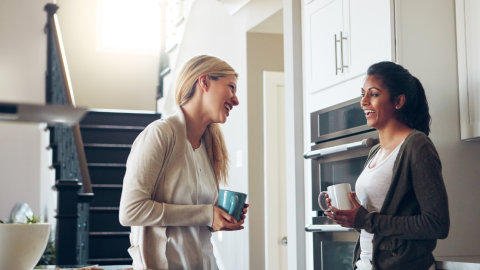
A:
(341, 141)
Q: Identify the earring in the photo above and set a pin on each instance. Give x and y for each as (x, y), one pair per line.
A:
(396, 107)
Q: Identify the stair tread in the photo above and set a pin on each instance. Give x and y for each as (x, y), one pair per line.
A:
(105, 208)
(107, 164)
(109, 145)
(109, 233)
(113, 127)
(106, 186)
(110, 259)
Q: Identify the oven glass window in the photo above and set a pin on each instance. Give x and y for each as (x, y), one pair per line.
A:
(341, 119)
(342, 171)
(337, 255)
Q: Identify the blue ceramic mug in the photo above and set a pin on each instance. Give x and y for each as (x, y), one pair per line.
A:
(232, 202)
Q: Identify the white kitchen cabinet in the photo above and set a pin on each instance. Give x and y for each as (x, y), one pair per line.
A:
(343, 38)
(468, 44)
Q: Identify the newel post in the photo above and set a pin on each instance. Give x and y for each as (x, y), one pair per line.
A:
(67, 219)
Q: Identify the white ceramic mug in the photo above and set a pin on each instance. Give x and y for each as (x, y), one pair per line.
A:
(338, 195)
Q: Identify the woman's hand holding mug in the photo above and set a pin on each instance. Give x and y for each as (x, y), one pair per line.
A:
(344, 218)
(222, 221)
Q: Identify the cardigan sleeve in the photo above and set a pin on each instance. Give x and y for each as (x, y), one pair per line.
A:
(147, 159)
(431, 216)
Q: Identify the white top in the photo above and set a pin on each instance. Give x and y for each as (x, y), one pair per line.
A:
(190, 247)
(371, 188)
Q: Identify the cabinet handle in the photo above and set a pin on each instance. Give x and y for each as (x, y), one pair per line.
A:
(341, 49)
(336, 66)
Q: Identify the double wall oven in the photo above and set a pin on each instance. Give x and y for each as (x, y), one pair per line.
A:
(341, 141)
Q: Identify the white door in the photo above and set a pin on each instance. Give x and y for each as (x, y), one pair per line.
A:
(369, 33)
(274, 160)
(323, 24)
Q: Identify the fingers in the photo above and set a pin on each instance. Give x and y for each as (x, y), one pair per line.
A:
(228, 217)
(328, 202)
(233, 227)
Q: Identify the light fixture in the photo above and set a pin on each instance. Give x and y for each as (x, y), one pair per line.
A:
(50, 114)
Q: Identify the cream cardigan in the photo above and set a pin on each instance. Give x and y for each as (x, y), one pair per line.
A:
(153, 169)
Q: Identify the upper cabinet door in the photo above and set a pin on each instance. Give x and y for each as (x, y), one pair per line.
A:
(369, 33)
(343, 38)
(468, 55)
(323, 23)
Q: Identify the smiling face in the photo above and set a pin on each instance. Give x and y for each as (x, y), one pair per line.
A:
(221, 97)
(376, 103)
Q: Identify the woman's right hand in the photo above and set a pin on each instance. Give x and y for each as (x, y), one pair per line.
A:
(328, 201)
(222, 221)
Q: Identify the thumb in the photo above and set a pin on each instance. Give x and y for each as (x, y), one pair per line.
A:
(228, 217)
(352, 196)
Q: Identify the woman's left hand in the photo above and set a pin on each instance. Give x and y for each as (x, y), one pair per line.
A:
(345, 218)
(245, 210)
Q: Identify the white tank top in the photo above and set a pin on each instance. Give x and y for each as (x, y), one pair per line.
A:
(371, 188)
(190, 247)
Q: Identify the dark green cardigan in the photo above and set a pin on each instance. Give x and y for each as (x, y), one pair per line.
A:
(415, 211)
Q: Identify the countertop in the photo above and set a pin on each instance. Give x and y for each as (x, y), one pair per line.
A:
(458, 263)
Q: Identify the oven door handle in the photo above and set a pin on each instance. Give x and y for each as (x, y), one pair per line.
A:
(327, 228)
(340, 148)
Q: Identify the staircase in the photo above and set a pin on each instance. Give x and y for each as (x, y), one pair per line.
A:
(107, 138)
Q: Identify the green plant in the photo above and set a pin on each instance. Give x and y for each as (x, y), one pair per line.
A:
(33, 219)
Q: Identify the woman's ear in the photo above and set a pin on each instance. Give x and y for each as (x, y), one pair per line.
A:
(204, 82)
(400, 101)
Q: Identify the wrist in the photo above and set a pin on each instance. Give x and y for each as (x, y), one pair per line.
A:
(359, 221)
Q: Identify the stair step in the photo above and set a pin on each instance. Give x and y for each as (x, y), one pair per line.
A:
(106, 195)
(110, 135)
(103, 153)
(109, 246)
(116, 117)
(108, 165)
(106, 175)
(106, 186)
(107, 145)
(104, 208)
(121, 262)
(109, 233)
(105, 219)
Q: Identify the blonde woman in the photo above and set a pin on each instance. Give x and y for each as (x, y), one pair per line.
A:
(170, 189)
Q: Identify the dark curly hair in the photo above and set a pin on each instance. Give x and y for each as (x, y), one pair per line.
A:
(398, 81)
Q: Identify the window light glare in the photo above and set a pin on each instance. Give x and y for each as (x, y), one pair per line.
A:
(131, 24)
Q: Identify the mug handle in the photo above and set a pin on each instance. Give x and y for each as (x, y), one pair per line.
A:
(320, 202)
(233, 204)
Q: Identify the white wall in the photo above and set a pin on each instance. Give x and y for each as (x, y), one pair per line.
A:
(264, 53)
(24, 174)
(209, 29)
(99, 79)
(426, 37)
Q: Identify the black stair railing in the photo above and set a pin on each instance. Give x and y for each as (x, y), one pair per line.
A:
(73, 180)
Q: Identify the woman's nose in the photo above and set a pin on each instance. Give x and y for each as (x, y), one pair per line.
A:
(235, 100)
(364, 101)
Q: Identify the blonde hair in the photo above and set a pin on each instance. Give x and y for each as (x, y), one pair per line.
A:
(185, 85)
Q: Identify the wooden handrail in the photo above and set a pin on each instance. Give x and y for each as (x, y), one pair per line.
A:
(55, 28)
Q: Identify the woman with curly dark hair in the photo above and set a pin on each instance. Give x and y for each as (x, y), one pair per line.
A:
(404, 205)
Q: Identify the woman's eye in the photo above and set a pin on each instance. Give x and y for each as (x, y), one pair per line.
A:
(362, 95)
